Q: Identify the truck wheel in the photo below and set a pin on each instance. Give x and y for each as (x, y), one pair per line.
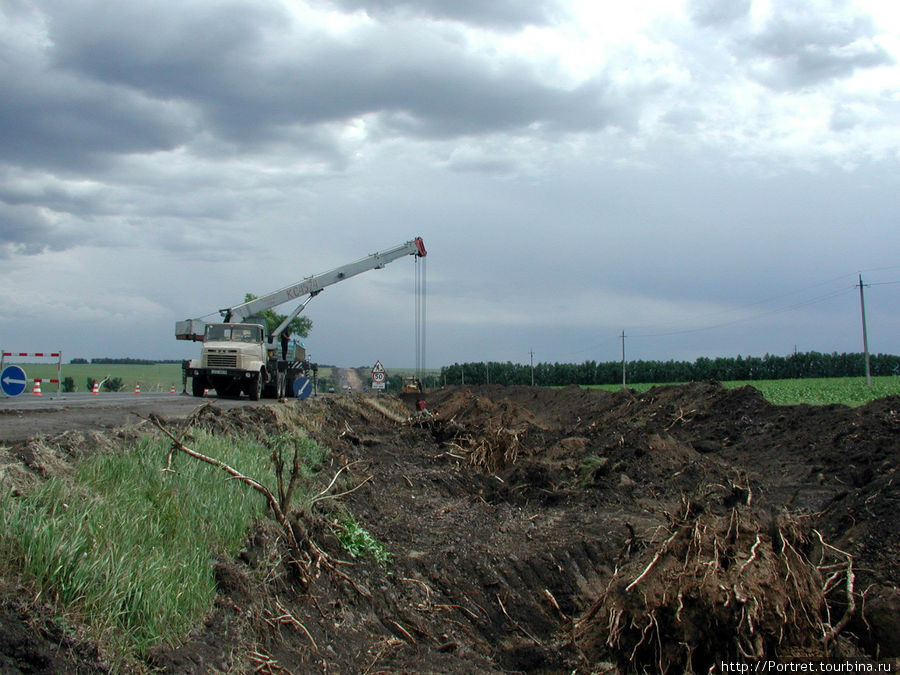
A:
(256, 387)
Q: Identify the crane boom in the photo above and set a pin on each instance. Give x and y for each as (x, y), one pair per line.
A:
(194, 329)
(316, 283)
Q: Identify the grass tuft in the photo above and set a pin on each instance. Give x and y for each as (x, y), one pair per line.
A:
(358, 541)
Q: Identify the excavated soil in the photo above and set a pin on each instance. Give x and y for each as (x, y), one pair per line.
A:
(542, 531)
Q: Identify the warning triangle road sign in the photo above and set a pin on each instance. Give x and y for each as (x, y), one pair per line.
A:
(377, 368)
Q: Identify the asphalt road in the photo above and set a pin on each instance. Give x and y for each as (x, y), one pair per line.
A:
(27, 416)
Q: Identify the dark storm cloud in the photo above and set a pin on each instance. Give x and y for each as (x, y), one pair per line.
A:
(805, 43)
(89, 84)
(55, 118)
(717, 12)
(43, 195)
(166, 50)
(500, 14)
(74, 125)
(253, 80)
(24, 232)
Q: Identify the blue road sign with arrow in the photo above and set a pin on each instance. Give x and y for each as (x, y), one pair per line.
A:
(13, 380)
(302, 387)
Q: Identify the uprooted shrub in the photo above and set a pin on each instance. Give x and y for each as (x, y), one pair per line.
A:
(492, 436)
(740, 584)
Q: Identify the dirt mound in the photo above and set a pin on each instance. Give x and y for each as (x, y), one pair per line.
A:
(569, 530)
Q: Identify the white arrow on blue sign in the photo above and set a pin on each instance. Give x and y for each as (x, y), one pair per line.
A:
(13, 380)
(302, 387)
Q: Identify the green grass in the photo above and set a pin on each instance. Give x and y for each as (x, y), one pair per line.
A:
(851, 391)
(128, 548)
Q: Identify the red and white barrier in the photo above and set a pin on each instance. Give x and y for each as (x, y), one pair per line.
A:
(32, 354)
(38, 355)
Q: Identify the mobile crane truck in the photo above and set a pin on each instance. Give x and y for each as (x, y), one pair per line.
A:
(238, 356)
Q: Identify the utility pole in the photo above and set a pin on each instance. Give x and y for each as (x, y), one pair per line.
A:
(862, 307)
(623, 359)
(532, 367)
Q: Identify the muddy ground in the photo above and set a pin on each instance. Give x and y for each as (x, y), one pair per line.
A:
(542, 531)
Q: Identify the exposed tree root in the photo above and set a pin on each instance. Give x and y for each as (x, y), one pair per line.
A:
(735, 585)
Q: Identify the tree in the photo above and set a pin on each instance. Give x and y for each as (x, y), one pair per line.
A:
(300, 326)
(113, 384)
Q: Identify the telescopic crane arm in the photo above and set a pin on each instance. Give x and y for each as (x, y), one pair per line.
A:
(317, 283)
(310, 286)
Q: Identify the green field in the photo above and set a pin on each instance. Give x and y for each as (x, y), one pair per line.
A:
(156, 377)
(850, 391)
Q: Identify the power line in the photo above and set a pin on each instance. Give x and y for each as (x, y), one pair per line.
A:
(880, 269)
(770, 299)
(798, 305)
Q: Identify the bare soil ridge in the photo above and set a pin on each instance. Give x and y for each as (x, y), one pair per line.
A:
(551, 531)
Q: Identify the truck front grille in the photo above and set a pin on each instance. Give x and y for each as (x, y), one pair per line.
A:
(221, 360)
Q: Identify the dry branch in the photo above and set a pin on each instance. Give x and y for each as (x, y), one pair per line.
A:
(237, 475)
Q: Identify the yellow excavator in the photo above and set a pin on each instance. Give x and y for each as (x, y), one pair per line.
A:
(412, 385)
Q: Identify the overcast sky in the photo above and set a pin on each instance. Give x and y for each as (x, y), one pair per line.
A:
(708, 176)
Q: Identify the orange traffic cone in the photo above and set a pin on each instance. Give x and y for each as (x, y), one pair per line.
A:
(137, 389)
(172, 390)
(37, 388)
(96, 390)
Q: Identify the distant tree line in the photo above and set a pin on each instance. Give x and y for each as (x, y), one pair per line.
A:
(768, 367)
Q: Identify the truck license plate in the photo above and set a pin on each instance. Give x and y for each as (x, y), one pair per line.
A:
(219, 372)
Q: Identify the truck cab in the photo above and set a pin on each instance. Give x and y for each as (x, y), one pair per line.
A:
(233, 360)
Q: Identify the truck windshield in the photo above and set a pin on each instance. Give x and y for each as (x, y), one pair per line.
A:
(225, 332)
